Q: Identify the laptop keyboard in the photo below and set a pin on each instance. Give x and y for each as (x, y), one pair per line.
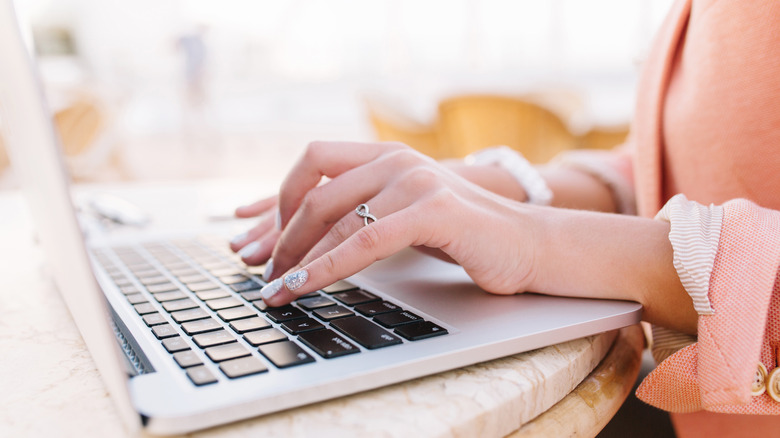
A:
(204, 305)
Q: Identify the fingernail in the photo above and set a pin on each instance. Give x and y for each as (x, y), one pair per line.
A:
(249, 250)
(278, 220)
(269, 270)
(239, 238)
(296, 279)
(271, 289)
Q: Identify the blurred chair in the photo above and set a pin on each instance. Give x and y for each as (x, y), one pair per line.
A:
(469, 123)
(603, 137)
(390, 124)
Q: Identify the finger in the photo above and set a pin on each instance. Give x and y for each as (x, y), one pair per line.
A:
(256, 208)
(328, 159)
(329, 204)
(259, 251)
(369, 244)
(382, 205)
(240, 241)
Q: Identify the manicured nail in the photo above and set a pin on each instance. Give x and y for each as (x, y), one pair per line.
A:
(269, 270)
(278, 220)
(296, 279)
(249, 250)
(271, 289)
(239, 238)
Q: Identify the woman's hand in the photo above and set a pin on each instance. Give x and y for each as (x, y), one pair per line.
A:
(255, 245)
(417, 202)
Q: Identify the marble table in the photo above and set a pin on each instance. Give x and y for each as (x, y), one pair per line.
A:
(49, 385)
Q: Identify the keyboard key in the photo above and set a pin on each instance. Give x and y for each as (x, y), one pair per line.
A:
(205, 340)
(315, 302)
(201, 326)
(244, 366)
(302, 325)
(420, 330)
(212, 294)
(339, 286)
(203, 285)
(267, 336)
(154, 318)
(223, 303)
(252, 295)
(184, 271)
(328, 344)
(249, 324)
(169, 296)
(146, 273)
(284, 313)
(355, 297)
(173, 306)
(122, 281)
(236, 313)
(260, 305)
(136, 298)
(231, 279)
(187, 359)
(189, 315)
(174, 344)
(164, 331)
(397, 318)
(364, 332)
(226, 352)
(377, 308)
(162, 287)
(192, 278)
(245, 286)
(225, 271)
(333, 312)
(145, 308)
(200, 375)
(127, 290)
(285, 354)
(157, 279)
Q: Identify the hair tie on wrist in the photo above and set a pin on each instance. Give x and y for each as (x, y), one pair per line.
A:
(522, 170)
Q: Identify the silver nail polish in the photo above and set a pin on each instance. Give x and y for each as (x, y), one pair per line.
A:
(239, 238)
(269, 270)
(278, 220)
(296, 279)
(271, 289)
(249, 250)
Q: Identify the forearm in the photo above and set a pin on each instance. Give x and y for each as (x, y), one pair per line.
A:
(571, 188)
(597, 255)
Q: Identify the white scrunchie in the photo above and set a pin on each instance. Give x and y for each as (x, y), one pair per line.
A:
(525, 173)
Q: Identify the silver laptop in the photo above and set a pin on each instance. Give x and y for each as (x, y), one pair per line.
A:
(179, 332)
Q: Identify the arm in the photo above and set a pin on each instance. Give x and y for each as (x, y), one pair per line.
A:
(506, 247)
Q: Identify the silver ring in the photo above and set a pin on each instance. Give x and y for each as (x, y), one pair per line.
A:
(362, 211)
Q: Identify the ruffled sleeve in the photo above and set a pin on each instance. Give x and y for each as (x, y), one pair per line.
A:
(739, 329)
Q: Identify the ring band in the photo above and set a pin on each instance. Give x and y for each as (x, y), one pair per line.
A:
(363, 211)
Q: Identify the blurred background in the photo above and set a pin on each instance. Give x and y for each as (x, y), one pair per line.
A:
(181, 89)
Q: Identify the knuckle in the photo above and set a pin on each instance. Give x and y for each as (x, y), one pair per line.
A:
(367, 238)
(328, 263)
(422, 178)
(315, 149)
(341, 230)
(311, 203)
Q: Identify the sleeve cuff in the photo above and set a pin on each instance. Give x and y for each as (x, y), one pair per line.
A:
(694, 234)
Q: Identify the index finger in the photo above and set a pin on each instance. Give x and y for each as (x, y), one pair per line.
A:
(328, 159)
(373, 242)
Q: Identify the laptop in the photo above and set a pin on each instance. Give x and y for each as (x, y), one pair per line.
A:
(182, 339)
